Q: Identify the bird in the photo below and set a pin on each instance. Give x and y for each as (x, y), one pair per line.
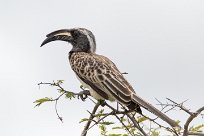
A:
(98, 73)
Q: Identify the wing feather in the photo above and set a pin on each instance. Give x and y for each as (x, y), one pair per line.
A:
(95, 87)
(103, 76)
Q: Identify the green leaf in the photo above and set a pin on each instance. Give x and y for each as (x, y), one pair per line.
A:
(103, 130)
(197, 128)
(61, 90)
(101, 111)
(123, 119)
(115, 135)
(83, 120)
(69, 95)
(42, 100)
(155, 132)
(102, 127)
(60, 81)
(99, 115)
(141, 119)
(117, 128)
(106, 123)
(132, 130)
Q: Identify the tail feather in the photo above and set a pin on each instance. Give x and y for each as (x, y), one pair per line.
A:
(152, 109)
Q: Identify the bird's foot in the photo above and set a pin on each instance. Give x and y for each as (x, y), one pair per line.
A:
(83, 94)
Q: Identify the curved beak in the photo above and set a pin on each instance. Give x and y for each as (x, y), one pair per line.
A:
(63, 35)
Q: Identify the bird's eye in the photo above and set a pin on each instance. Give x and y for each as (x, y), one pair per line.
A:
(75, 33)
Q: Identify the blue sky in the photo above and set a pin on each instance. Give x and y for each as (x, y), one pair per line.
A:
(159, 43)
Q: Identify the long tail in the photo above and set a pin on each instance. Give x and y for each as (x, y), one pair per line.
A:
(152, 109)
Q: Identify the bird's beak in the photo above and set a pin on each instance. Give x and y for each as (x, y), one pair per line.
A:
(63, 35)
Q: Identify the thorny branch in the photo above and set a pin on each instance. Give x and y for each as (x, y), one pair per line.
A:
(115, 112)
(194, 115)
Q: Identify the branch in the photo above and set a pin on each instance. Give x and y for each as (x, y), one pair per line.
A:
(180, 106)
(83, 94)
(172, 130)
(195, 134)
(131, 118)
(59, 117)
(115, 112)
(194, 115)
(97, 122)
(84, 132)
(124, 125)
(136, 124)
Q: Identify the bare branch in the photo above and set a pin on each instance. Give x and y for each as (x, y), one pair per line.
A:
(126, 128)
(136, 124)
(172, 130)
(195, 134)
(84, 132)
(59, 117)
(194, 115)
(181, 106)
(97, 122)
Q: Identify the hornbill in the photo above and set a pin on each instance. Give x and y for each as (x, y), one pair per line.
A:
(98, 73)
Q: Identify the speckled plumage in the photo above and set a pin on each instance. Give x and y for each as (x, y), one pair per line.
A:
(100, 75)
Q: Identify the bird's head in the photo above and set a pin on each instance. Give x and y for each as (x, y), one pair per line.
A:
(82, 39)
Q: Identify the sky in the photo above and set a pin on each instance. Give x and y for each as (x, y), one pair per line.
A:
(159, 43)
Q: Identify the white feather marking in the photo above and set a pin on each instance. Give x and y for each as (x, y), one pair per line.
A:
(116, 93)
(91, 42)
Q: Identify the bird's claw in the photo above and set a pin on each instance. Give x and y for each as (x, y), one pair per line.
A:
(83, 95)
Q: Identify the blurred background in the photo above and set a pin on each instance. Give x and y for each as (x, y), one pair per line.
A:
(159, 43)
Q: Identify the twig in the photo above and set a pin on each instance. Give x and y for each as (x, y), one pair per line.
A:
(124, 73)
(84, 92)
(180, 106)
(124, 125)
(172, 130)
(97, 122)
(132, 119)
(57, 84)
(84, 132)
(60, 118)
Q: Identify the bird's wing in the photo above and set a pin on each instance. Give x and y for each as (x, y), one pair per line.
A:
(102, 75)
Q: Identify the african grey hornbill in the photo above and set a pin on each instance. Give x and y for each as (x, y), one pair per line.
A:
(98, 73)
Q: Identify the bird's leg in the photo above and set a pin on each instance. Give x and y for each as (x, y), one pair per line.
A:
(125, 109)
(117, 106)
(133, 114)
(83, 94)
(102, 102)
